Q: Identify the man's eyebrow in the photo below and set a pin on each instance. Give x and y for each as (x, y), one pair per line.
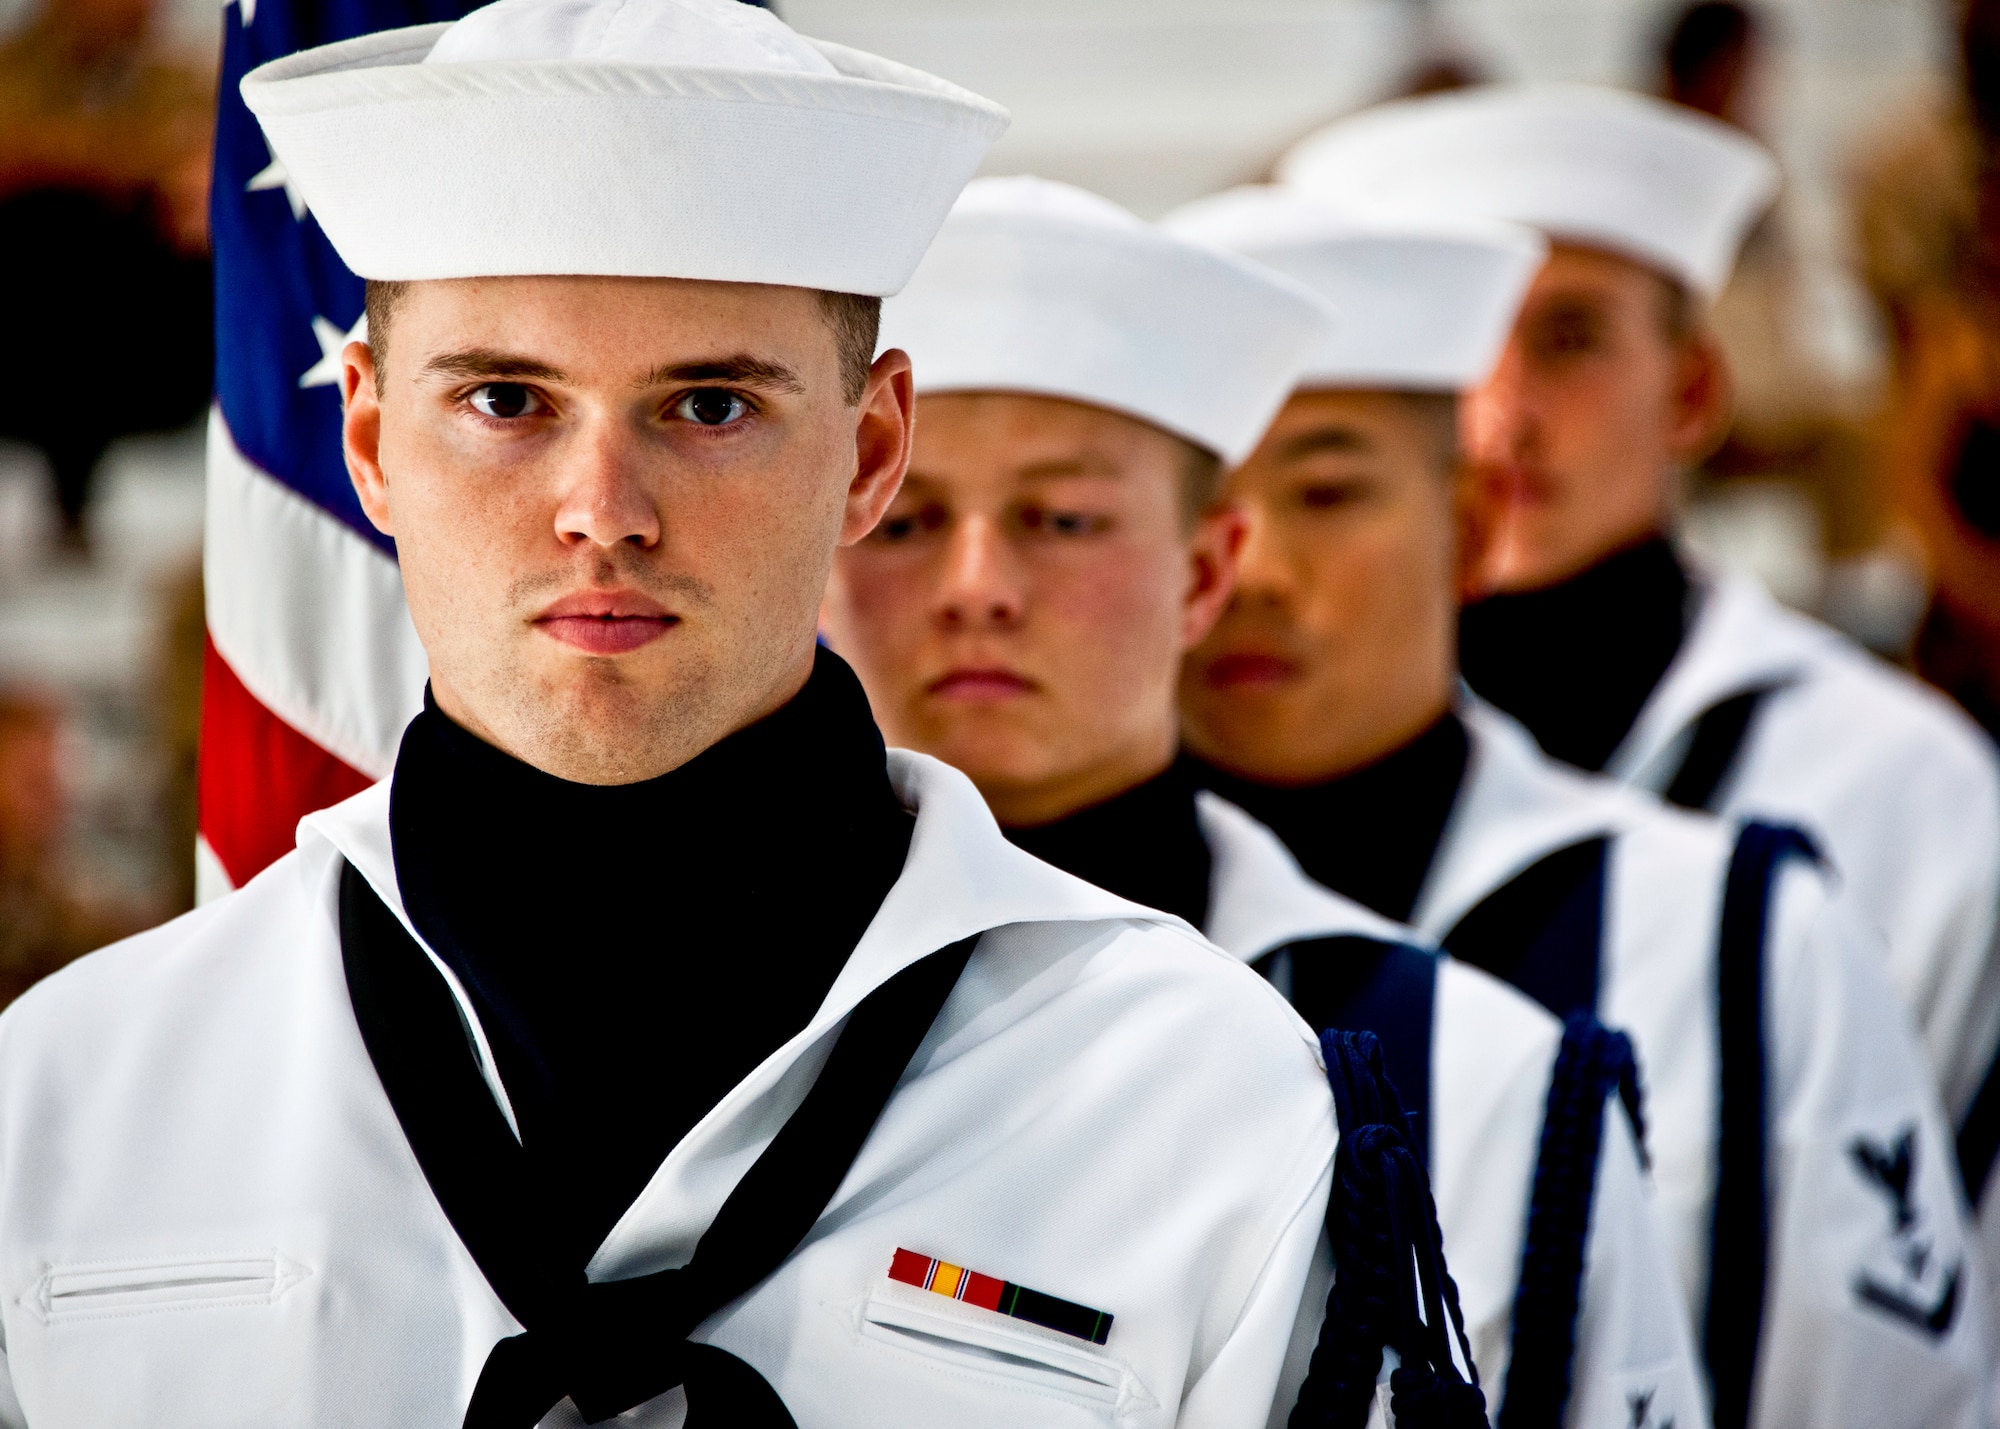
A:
(1055, 470)
(1567, 302)
(1325, 439)
(741, 369)
(493, 365)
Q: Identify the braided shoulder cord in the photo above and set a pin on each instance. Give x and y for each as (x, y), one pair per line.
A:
(1381, 1220)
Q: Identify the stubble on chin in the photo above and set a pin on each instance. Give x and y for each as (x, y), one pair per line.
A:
(596, 719)
(590, 721)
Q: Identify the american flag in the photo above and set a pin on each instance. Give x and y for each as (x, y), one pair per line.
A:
(312, 667)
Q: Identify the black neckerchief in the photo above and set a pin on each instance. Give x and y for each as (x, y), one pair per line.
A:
(634, 951)
(610, 1346)
(1371, 833)
(1576, 661)
(1143, 844)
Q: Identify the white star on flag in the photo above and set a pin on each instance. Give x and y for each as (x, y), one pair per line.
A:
(326, 372)
(248, 9)
(275, 176)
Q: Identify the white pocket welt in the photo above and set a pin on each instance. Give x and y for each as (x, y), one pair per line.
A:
(94, 1290)
(967, 1339)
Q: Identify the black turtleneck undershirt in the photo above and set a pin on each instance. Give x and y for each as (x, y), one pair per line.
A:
(1370, 833)
(634, 951)
(1143, 844)
(1575, 662)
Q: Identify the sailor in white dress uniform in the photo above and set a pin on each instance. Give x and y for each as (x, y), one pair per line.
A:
(1492, 1057)
(210, 1212)
(1022, 611)
(652, 1045)
(1617, 655)
(1804, 1169)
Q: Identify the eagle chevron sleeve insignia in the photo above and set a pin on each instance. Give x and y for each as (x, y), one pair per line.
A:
(1918, 1289)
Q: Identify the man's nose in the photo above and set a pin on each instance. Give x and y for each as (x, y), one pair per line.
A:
(605, 500)
(982, 586)
(1498, 421)
(1264, 570)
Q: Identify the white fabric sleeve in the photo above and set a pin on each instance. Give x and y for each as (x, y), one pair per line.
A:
(1919, 842)
(1876, 1304)
(1962, 1031)
(11, 1414)
(1635, 1358)
(1305, 1332)
(1240, 1389)
(1903, 793)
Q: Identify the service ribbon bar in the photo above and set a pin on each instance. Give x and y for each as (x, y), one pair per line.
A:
(1001, 1296)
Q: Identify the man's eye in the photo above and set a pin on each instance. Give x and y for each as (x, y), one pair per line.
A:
(1061, 523)
(1324, 495)
(1566, 333)
(903, 525)
(505, 400)
(712, 407)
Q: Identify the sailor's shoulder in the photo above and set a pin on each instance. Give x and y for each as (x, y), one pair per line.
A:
(216, 962)
(1639, 821)
(1682, 833)
(1847, 699)
(1049, 934)
(1145, 1024)
(1158, 978)
(1504, 1020)
(1494, 1053)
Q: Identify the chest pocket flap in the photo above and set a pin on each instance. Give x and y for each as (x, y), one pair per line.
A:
(966, 1339)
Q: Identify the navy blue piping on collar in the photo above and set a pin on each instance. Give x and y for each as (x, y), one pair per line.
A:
(1739, 1247)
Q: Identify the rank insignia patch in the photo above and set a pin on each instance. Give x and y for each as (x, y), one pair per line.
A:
(1908, 1277)
(1000, 1296)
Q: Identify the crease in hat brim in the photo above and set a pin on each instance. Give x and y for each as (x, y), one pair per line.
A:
(970, 329)
(495, 168)
(387, 68)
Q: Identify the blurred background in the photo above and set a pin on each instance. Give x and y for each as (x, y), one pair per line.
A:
(1861, 482)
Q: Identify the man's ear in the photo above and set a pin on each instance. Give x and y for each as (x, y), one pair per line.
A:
(1213, 551)
(1703, 399)
(361, 433)
(885, 424)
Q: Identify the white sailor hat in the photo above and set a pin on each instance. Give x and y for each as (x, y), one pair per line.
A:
(1654, 181)
(1425, 304)
(644, 138)
(1038, 287)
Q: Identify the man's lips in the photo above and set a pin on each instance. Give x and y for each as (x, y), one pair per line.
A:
(601, 623)
(980, 684)
(1248, 668)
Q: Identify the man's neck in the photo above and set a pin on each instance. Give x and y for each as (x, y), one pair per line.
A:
(1030, 804)
(1385, 741)
(1372, 832)
(1576, 662)
(665, 936)
(1143, 843)
(1342, 744)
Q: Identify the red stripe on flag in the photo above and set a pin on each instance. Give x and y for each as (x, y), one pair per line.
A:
(258, 776)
